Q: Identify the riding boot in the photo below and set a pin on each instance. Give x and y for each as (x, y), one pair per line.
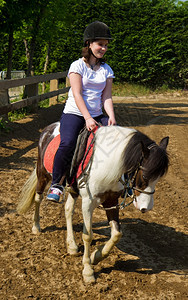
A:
(56, 190)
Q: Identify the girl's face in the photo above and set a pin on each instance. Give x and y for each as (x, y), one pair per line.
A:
(99, 47)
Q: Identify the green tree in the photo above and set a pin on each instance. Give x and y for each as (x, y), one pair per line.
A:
(149, 46)
(10, 22)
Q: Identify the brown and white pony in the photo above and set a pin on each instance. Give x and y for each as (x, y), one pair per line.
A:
(124, 161)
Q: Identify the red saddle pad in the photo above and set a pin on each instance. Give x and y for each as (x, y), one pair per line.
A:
(50, 153)
(53, 146)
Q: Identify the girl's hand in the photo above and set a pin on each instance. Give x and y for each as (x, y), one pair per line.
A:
(111, 121)
(90, 124)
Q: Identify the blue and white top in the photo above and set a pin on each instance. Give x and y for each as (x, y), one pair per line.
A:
(93, 84)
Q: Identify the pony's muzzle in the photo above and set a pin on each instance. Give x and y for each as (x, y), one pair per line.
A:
(144, 203)
(143, 210)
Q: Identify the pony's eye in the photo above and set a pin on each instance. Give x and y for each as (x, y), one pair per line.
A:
(141, 181)
(144, 177)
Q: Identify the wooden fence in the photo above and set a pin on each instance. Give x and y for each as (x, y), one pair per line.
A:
(31, 89)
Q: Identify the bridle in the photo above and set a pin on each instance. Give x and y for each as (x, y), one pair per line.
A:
(129, 182)
(129, 188)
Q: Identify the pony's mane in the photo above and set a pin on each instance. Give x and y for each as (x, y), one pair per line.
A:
(155, 165)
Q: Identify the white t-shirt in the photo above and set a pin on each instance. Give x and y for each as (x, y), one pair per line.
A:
(93, 84)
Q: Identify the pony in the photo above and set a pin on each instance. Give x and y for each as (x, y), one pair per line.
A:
(125, 162)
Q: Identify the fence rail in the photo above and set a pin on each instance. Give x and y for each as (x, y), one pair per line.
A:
(31, 90)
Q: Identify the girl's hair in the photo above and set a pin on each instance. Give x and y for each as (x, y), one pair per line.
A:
(86, 53)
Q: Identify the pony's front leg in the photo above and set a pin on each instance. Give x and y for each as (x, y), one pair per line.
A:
(36, 217)
(104, 250)
(72, 248)
(87, 210)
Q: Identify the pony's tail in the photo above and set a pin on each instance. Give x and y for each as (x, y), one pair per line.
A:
(27, 193)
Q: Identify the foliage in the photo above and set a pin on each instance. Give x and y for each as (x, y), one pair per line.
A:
(148, 42)
(19, 114)
(149, 46)
(3, 126)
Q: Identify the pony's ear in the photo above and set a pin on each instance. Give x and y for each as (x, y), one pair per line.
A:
(164, 142)
(145, 150)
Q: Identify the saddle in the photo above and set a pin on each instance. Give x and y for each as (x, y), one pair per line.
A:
(81, 158)
(83, 152)
(79, 151)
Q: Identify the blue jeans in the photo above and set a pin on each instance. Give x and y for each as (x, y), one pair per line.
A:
(70, 126)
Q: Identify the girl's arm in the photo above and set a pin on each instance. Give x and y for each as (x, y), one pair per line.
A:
(107, 101)
(76, 85)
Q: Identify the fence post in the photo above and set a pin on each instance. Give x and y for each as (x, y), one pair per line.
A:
(67, 82)
(4, 100)
(54, 84)
(32, 90)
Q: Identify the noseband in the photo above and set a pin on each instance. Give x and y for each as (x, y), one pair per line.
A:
(143, 192)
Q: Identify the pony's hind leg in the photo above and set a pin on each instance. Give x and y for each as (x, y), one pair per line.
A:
(36, 217)
(72, 248)
(43, 180)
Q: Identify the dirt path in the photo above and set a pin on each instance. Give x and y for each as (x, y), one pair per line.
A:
(150, 261)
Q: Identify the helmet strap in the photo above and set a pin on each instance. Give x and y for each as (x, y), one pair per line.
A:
(88, 44)
(94, 55)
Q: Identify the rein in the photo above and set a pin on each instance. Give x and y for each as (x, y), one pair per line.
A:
(129, 188)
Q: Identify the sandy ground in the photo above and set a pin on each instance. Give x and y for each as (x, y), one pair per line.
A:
(150, 261)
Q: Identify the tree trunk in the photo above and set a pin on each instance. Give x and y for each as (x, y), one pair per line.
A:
(26, 51)
(30, 70)
(36, 26)
(30, 54)
(46, 66)
(10, 51)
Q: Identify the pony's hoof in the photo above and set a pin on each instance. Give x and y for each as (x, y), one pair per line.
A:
(88, 275)
(95, 257)
(35, 229)
(72, 251)
(89, 279)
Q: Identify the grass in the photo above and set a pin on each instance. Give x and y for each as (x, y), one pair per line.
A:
(130, 89)
(19, 114)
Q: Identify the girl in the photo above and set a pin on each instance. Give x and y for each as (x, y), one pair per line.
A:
(91, 84)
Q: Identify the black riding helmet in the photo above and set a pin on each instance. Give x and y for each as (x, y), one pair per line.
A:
(97, 31)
